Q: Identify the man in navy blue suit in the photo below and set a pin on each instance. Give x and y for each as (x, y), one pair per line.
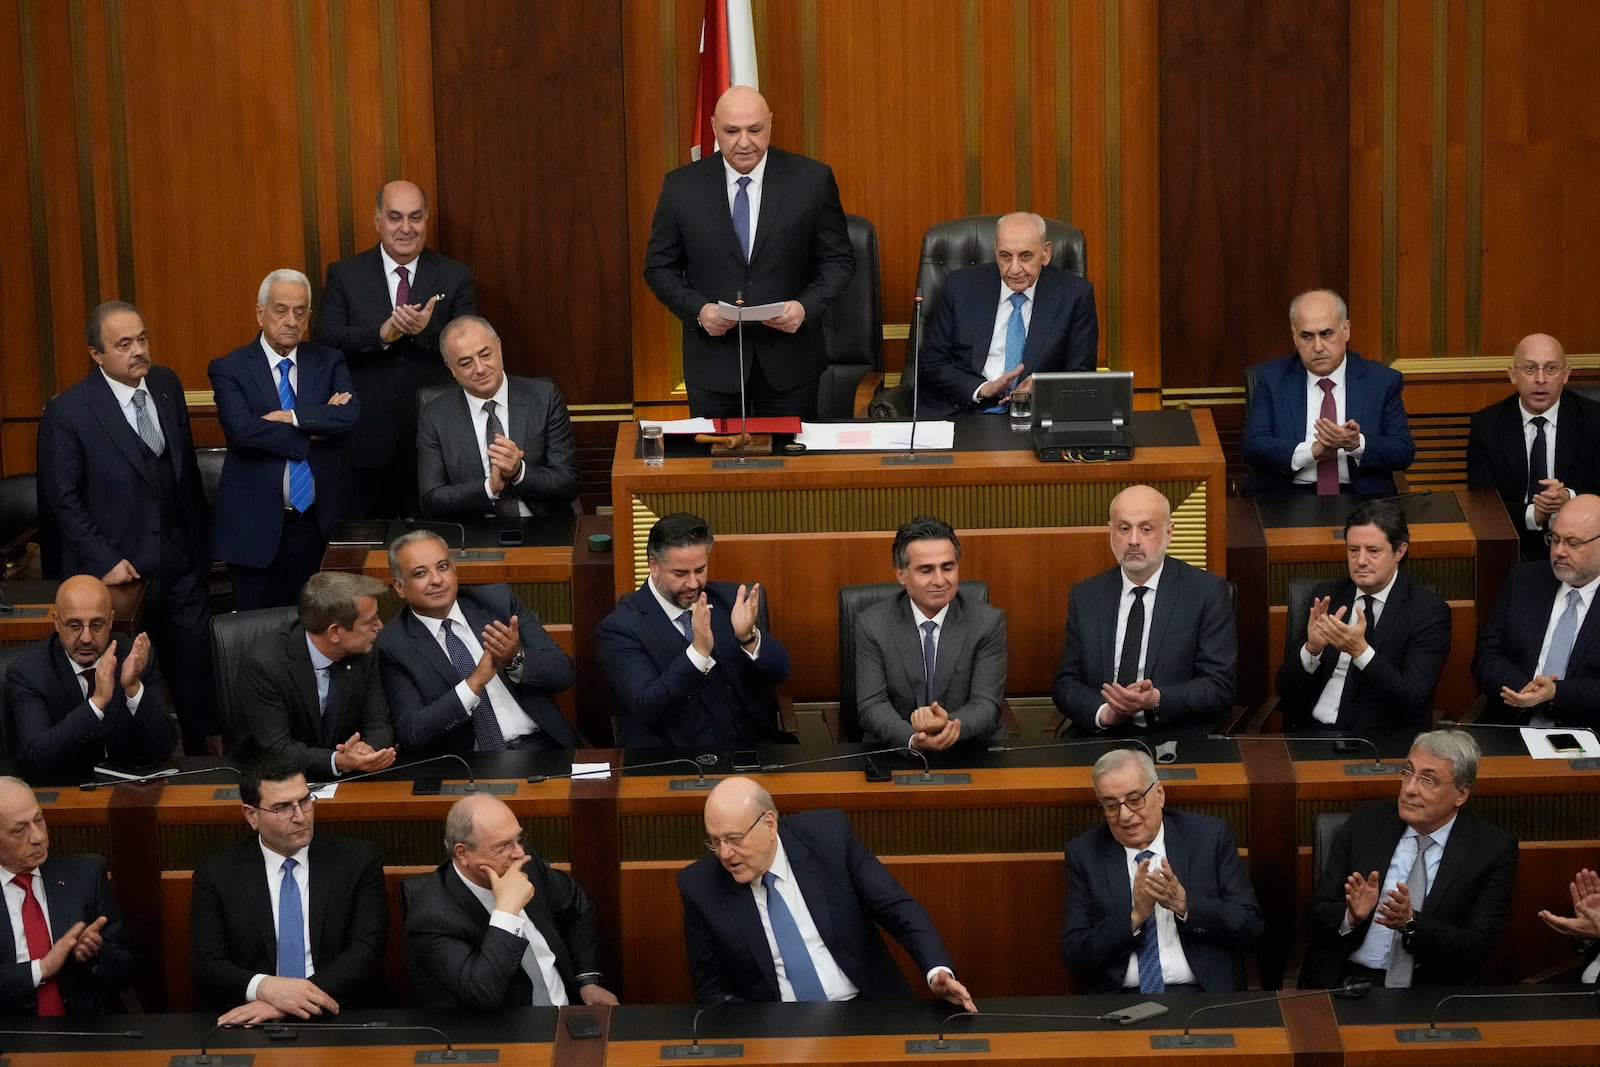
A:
(683, 654)
(1003, 321)
(467, 669)
(1322, 418)
(286, 406)
(1156, 900)
(118, 473)
(790, 910)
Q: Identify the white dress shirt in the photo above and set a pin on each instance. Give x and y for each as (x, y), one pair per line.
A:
(1326, 710)
(14, 909)
(273, 863)
(477, 408)
(1175, 968)
(1375, 947)
(1305, 467)
(389, 265)
(994, 364)
(514, 722)
(1558, 607)
(1551, 414)
(273, 359)
(87, 684)
(124, 395)
(758, 177)
(1124, 606)
(834, 982)
(519, 924)
(703, 664)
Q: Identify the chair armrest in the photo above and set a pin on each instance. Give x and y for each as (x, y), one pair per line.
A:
(835, 725)
(870, 383)
(786, 720)
(1267, 719)
(892, 403)
(1008, 720)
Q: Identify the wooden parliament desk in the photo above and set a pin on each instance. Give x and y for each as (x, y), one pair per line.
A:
(25, 610)
(815, 522)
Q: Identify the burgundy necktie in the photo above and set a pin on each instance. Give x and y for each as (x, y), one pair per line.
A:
(1328, 465)
(402, 292)
(38, 935)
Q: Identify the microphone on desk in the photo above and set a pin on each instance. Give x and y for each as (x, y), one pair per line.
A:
(744, 424)
(696, 1050)
(1433, 1033)
(447, 1055)
(1075, 742)
(158, 777)
(132, 1035)
(699, 764)
(916, 369)
(471, 786)
(461, 553)
(1352, 989)
(927, 773)
(1341, 743)
(1405, 496)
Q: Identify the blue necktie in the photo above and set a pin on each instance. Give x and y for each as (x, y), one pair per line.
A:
(148, 429)
(291, 926)
(686, 624)
(928, 655)
(1561, 641)
(1150, 980)
(1016, 337)
(791, 946)
(301, 490)
(330, 708)
(485, 727)
(741, 216)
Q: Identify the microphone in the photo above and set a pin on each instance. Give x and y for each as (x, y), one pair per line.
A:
(696, 1050)
(1469, 1033)
(1407, 496)
(1353, 988)
(132, 1035)
(1341, 743)
(1074, 743)
(699, 763)
(470, 787)
(1147, 1010)
(1455, 724)
(461, 553)
(927, 774)
(744, 426)
(916, 371)
(159, 776)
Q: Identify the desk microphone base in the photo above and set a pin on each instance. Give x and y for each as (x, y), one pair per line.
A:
(1367, 770)
(1191, 1041)
(214, 1059)
(679, 785)
(918, 460)
(935, 778)
(467, 789)
(726, 1051)
(480, 555)
(1424, 1035)
(949, 1044)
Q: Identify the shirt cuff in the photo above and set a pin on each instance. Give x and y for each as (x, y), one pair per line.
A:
(468, 698)
(132, 702)
(99, 712)
(1528, 520)
(255, 984)
(37, 979)
(1354, 454)
(703, 664)
(333, 765)
(935, 970)
(488, 492)
(1302, 458)
(1308, 662)
(504, 920)
(522, 469)
(754, 648)
(1365, 658)
(1101, 710)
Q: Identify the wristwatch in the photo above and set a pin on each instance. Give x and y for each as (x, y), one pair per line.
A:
(1407, 930)
(516, 662)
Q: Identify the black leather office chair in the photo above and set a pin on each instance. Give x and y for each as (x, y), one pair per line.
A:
(219, 586)
(19, 518)
(952, 245)
(233, 636)
(852, 330)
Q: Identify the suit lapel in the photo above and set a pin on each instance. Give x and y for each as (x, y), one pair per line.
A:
(1169, 595)
(166, 406)
(1047, 304)
(373, 282)
(772, 190)
(741, 904)
(953, 639)
(103, 403)
(253, 874)
(424, 272)
(812, 879)
(1113, 867)
(59, 897)
(427, 648)
(1295, 397)
(715, 198)
(1514, 444)
(1569, 431)
(320, 886)
(907, 643)
(1456, 851)
(303, 676)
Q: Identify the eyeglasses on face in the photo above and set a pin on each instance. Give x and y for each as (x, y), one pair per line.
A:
(1573, 543)
(714, 844)
(1424, 779)
(1134, 802)
(305, 805)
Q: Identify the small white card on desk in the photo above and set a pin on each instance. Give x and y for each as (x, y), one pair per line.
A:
(591, 770)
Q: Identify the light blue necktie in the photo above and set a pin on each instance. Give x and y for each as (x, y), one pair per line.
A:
(1016, 337)
(686, 624)
(791, 946)
(291, 927)
(1150, 980)
(1561, 641)
(301, 490)
(148, 429)
(929, 651)
(741, 216)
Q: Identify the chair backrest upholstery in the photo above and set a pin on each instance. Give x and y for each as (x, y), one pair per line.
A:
(233, 637)
(1328, 824)
(19, 504)
(853, 600)
(210, 461)
(852, 327)
(8, 730)
(429, 393)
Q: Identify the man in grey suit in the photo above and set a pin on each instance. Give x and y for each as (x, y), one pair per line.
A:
(930, 663)
(502, 445)
(1151, 644)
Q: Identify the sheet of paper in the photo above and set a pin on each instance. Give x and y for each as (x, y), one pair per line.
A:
(130, 776)
(1540, 748)
(326, 792)
(591, 770)
(874, 436)
(750, 312)
(681, 425)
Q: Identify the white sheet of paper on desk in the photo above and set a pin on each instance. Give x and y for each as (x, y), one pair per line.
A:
(875, 436)
(1539, 748)
(682, 425)
(326, 792)
(750, 312)
(591, 770)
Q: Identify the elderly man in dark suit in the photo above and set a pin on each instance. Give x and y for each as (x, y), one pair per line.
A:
(1004, 321)
(1322, 419)
(1538, 660)
(930, 662)
(287, 922)
(1157, 901)
(1539, 448)
(285, 405)
(83, 695)
(758, 223)
(495, 926)
(1413, 893)
(1152, 645)
(791, 910)
(72, 958)
(384, 309)
(470, 668)
(117, 471)
(499, 445)
(312, 691)
(1369, 653)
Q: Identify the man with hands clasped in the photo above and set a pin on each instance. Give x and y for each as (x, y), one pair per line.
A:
(1584, 923)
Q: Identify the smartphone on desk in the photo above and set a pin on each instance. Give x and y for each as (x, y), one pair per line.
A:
(1567, 744)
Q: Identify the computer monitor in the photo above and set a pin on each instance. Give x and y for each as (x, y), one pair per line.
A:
(1079, 401)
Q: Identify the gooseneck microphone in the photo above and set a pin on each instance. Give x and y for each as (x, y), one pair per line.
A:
(744, 423)
(471, 786)
(160, 777)
(768, 768)
(1351, 989)
(1433, 1033)
(1339, 742)
(696, 1050)
(916, 370)
(461, 552)
(1076, 742)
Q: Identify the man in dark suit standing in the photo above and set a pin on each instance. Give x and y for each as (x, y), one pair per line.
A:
(763, 224)
(285, 406)
(83, 695)
(1538, 660)
(1374, 664)
(312, 691)
(118, 473)
(683, 654)
(1157, 901)
(1322, 419)
(72, 959)
(1152, 644)
(384, 309)
(1004, 321)
(495, 926)
(1537, 449)
(469, 668)
(287, 922)
(791, 910)
(499, 445)
(1414, 893)
(930, 662)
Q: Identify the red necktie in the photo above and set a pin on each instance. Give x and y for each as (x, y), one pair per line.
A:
(38, 934)
(402, 291)
(1328, 465)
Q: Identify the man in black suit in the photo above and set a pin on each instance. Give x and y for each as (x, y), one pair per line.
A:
(931, 624)
(287, 922)
(1538, 449)
(1372, 665)
(791, 910)
(312, 691)
(1157, 901)
(76, 700)
(384, 309)
(73, 959)
(1004, 321)
(469, 668)
(683, 654)
(118, 473)
(1414, 893)
(1151, 644)
(763, 224)
(1584, 922)
(499, 445)
(1538, 660)
(495, 926)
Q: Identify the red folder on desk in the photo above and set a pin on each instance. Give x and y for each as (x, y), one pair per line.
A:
(774, 424)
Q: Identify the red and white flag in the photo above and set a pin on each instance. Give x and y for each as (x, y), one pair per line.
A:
(727, 57)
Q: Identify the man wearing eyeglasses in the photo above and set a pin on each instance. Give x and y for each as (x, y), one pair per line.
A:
(791, 911)
(287, 922)
(495, 926)
(83, 695)
(1538, 661)
(1539, 448)
(1413, 893)
(1157, 901)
